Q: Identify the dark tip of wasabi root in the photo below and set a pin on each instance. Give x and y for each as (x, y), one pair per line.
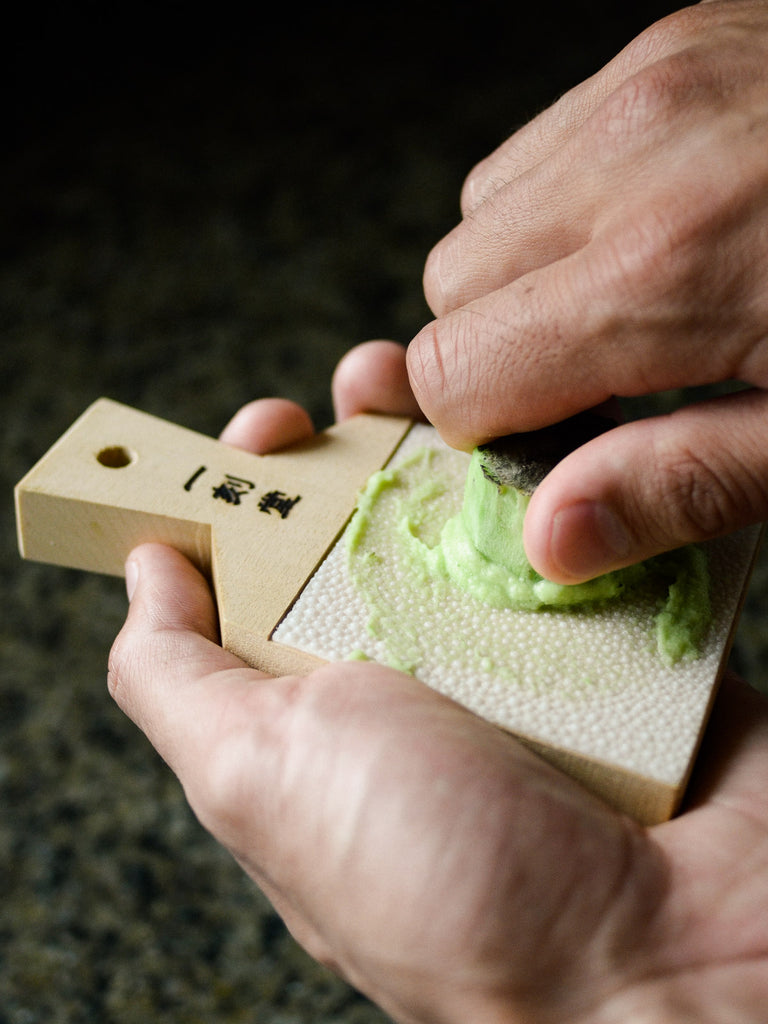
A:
(521, 461)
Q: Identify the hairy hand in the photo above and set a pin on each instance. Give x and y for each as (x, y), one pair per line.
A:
(616, 245)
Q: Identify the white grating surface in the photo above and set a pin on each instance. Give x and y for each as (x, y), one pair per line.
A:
(589, 682)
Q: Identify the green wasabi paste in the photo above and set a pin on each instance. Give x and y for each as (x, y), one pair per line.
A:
(479, 550)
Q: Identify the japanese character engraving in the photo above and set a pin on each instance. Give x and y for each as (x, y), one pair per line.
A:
(232, 489)
(279, 502)
(190, 483)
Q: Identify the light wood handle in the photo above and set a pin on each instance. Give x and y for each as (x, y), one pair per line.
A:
(258, 525)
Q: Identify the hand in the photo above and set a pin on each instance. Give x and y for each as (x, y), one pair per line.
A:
(617, 245)
(424, 854)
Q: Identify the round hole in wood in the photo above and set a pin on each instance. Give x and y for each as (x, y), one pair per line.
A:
(115, 457)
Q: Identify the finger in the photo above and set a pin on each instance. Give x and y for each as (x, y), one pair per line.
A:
(623, 162)
(641, 308)
(532, 353)
(652, 486)
(372, 377)
(546, 212)
(537, 140)
(540, 217)
(534, 142)
(267, 425)
(166, 669)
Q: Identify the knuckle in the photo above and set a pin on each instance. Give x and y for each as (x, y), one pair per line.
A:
(446, 367)
(646, 100)
(426, 366)
(481, 181)
(649, 254)
(472, 191)
(432, 280)
(473, 259)
(443, 273)
(465, 371)
(625, 111)
(700, 499)
(659, 261)
(704, 498)
(667, 35)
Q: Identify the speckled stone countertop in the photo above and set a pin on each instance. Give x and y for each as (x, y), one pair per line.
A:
(195, 214)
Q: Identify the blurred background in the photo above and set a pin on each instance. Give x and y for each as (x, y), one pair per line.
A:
(197, 209)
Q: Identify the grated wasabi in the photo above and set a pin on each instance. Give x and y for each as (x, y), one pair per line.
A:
(479, 550)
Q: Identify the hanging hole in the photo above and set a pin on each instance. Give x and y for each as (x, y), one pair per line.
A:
(115, 457)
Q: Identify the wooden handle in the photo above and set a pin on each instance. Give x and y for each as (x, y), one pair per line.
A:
(258, 525)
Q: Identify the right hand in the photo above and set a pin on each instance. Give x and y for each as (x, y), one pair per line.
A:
(618, 245)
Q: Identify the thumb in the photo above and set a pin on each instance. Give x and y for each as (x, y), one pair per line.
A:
(651, 486)
(166, 657)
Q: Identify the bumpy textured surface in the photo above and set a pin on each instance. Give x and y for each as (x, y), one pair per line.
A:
(586, 680)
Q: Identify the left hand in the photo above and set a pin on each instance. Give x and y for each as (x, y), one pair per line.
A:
(428, 857)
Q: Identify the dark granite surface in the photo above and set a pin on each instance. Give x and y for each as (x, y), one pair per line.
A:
(194, 214)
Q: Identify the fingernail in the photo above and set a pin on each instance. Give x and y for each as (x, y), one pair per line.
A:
(588, 539)
(131, 576)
